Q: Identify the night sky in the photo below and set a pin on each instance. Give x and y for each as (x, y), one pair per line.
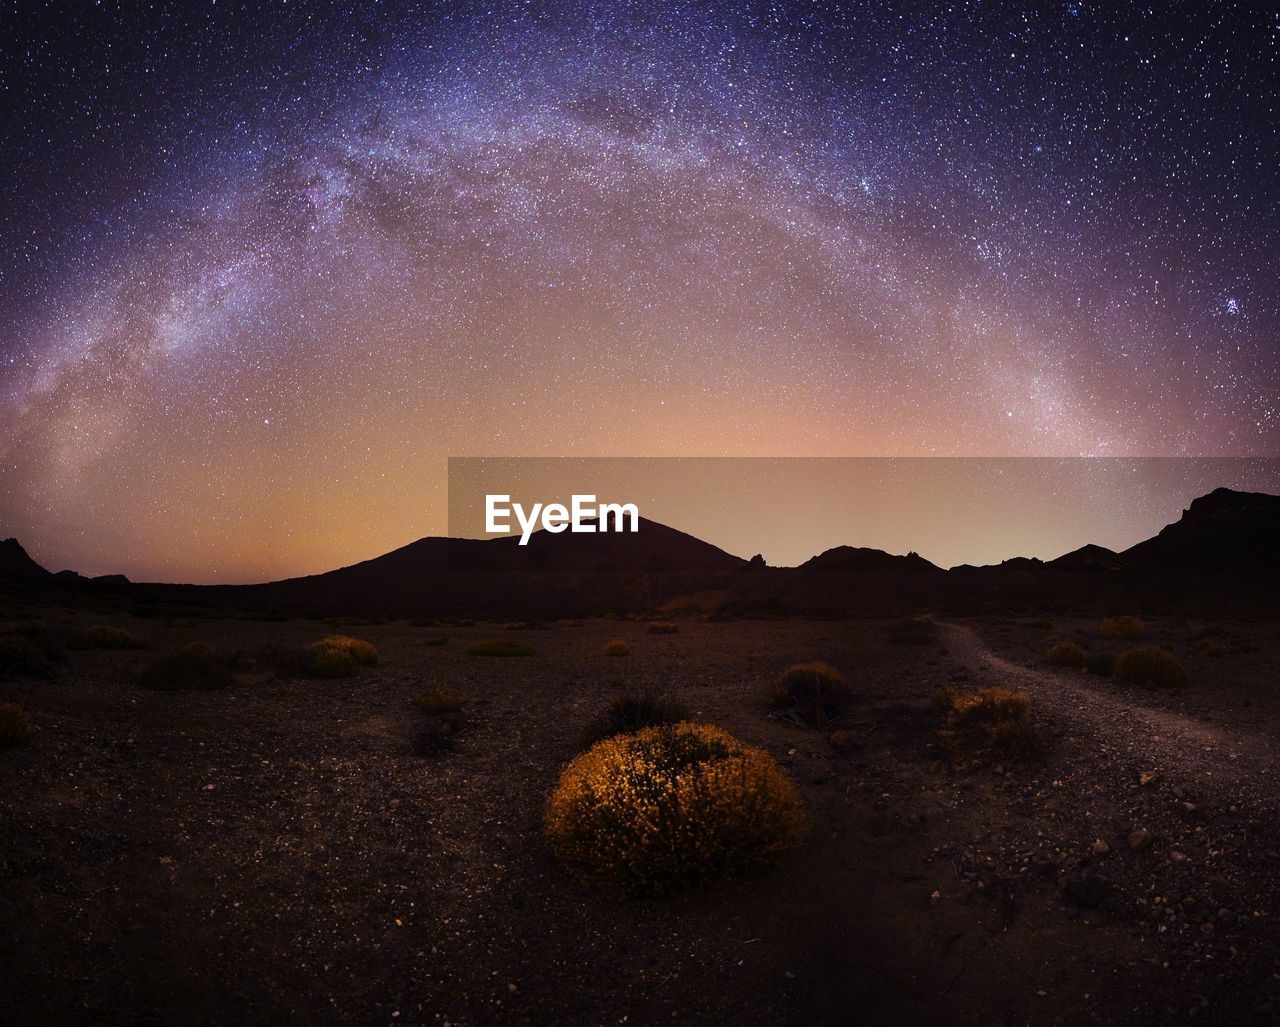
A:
(264, 267)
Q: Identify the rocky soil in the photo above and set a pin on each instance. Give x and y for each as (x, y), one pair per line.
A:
(274, 852)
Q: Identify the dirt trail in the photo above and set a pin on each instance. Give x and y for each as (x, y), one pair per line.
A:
(1228, 765)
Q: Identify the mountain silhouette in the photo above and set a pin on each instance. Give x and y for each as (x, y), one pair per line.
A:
(1226, 543)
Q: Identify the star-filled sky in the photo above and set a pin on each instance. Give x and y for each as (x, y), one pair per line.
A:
(264, 267)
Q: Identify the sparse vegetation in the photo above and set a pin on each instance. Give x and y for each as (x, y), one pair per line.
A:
(1067, 654)
(1122, 627)
(28, 649)
(15, 726)
(500, 648)
(987, 722)
(193, 668)
(633, 712)
(340, 656)
(1151, 666)
(664, 627)
(913, 631)
(435, 640)
(814, 691)
(671, 808)
(442, 720)
(106, 636)
(616, 648)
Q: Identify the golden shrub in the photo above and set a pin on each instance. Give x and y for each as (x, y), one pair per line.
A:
(340, 656)
(815, 690)
(107, 636)
(1122, 627)
(1151, 666)
(987, 720)
(672, 807)
(1067, 654)
(15, 726)
(616, 648)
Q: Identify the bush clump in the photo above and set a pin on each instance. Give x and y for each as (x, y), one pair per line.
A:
(197, 667)
(671, 808)
(814, 691)
(106, 636)
(664, 627)
(616, 648)
(633, 712)
(913, 631)
(1067, 654)
(29, 649)
(987, 721)
(340, 656)
(1122, 627)
(500, 648)
(435, 640)
(1151, 666)
(15, 726)
(442, 720)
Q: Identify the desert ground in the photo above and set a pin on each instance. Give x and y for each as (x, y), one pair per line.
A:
(276, 852)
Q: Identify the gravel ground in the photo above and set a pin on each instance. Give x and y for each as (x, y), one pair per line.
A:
(275, 853)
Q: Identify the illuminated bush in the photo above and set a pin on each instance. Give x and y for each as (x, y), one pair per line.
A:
(664, 627)
(1151, 666)
(994, 721)
(193, 668)
(616, 648)
(633, 712)
(340, 656)
(671, 808)
(1067, 654)
(815, 691)
(1122, 627)
(15, 726)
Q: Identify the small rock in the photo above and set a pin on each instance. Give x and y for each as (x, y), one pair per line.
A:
(1140, 840)
(1099, 847)
(1178, 857)
(1148, 778)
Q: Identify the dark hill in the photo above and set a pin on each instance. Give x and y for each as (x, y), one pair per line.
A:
(15, 563)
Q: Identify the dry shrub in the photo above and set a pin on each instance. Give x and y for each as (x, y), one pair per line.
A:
(106, 636)
(500, 648)
(442, 720)
(15, 726)
(616, 648)
(340, 656)
(633, 712)
(913, 631)
(987, 722)
(671, 808)
(435, 641)
(1122, 627)
(196, 667)
(29, 649)
(1067, 654)
(1151, 666)
(664, 627)
(814, 691)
